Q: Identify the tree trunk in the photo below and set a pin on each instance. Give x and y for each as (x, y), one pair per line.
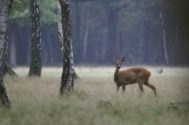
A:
(36, 63)
(85, 41)
(3, 41)
(112, 34)
(7, 68)
(67, 79)
(164, 38)
(60, 32)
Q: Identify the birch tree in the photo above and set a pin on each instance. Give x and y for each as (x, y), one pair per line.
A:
(60, 32)
(36, 63)
(67, 78)
(4, 9)
(7, 67)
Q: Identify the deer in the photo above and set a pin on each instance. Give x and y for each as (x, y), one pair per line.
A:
(133, 75)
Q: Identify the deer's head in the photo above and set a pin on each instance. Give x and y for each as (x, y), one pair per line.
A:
(118, 61)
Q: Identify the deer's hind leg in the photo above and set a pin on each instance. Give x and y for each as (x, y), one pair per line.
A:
(151, 87)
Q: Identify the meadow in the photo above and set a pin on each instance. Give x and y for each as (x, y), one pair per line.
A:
(36, 101)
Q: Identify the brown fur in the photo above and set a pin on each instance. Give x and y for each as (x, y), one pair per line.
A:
(131, 76)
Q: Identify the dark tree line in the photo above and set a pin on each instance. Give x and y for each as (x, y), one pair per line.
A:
(146, 32)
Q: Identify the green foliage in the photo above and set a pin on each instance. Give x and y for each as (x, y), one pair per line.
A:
(20, 11)
(133, 12)
(48, 11)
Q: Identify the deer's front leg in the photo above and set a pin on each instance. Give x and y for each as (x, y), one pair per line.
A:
(123, 89)
(117, 89)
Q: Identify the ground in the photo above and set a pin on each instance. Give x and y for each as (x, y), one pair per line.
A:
(36, 101)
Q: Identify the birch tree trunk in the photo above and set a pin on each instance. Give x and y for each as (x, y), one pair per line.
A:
(36, 63)
(4, 8)
(67, 79)
(60, 32)
(7, 67)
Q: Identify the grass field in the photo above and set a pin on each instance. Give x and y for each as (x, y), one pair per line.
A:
(36, 101)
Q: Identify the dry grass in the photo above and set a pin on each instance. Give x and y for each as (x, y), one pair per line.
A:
(36, 101)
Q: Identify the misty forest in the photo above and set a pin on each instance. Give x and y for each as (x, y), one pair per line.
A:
(89, 62)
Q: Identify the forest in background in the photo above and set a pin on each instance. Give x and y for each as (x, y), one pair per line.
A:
(145, 32)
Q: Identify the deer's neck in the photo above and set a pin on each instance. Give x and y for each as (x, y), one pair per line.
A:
(116, 74)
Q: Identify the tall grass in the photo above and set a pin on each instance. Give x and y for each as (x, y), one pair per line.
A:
(36, 101)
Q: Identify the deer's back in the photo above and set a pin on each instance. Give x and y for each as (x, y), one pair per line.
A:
(132, 75)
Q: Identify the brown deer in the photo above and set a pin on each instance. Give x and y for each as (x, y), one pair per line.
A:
(131, 76)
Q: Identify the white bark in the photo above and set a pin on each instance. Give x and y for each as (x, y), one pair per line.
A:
(60, 32)
(67, 82)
